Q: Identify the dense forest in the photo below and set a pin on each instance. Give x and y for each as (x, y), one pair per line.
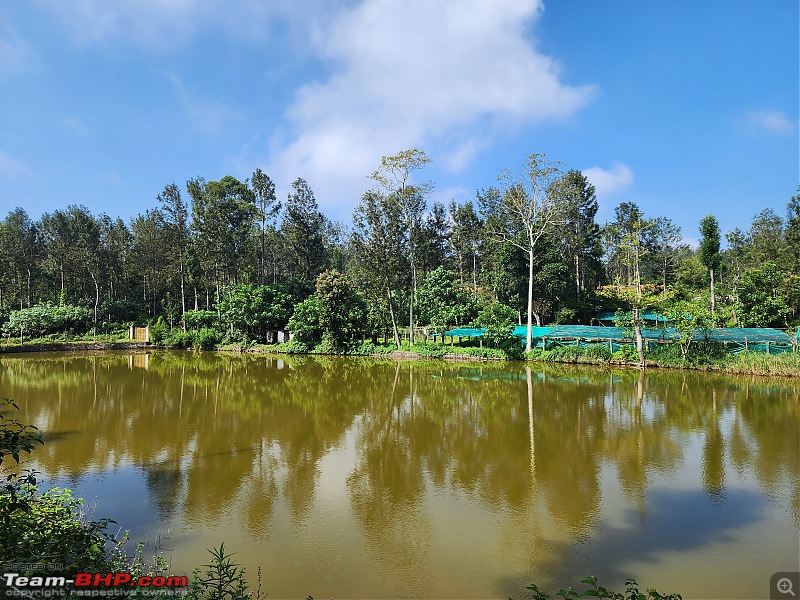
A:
(230, 255)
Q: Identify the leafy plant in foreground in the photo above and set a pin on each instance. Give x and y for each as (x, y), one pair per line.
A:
(597, 591)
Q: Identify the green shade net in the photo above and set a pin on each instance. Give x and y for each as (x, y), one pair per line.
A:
(756, 339)
(647, 316)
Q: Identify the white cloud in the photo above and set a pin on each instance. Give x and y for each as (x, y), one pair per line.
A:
(772, 121)
(607, 182)
(167, 23)
(421, 74)
(12, 167)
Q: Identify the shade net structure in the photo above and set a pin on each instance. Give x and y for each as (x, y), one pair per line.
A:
(647, 316)
(736, 339)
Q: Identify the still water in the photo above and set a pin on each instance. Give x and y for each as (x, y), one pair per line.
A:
(353, 478)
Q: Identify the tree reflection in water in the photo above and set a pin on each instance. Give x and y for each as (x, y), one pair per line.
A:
(540, 453)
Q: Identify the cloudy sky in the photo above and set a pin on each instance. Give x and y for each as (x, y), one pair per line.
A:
(685, 107)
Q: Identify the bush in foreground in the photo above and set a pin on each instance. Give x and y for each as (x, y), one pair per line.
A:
(596, 591)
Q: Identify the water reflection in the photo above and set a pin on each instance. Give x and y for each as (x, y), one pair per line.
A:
(567, 470)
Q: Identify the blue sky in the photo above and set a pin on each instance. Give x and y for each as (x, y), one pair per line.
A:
(684, 107)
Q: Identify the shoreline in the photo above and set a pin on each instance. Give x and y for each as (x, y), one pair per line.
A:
(397, 355)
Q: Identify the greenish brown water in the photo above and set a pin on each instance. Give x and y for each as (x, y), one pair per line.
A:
(359, 478)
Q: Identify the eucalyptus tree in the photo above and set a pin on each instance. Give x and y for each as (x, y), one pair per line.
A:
(19, 249)
(666, 236)
(378, 252)
(267, 209)
(223, 214)
(176, 221)
(792, 233)
(72, 242)
(530, 205)
(580, 233)
(394, 176)
(466, 237)
(631, 232)
(709, 251)
(792, 245)
(116, 243)
(766, 237)
(303, 233)
(624, 237)
(148, 258)
(434, 248)
(735, 257)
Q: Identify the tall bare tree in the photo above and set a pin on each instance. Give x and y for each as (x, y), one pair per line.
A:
(528, 206)
(394, 176)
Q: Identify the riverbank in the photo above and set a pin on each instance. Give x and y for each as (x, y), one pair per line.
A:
(708, 359)
(77, 346)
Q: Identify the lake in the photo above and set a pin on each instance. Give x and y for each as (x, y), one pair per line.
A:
(356, 478)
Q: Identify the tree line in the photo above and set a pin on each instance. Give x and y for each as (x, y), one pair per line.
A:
(232, 255)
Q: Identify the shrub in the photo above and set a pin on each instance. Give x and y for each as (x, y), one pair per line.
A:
(568, 354)
(295, 346)
(207, 339)
(597, 591)
(42, 319)
(324, 347)
(626, 353)
(599, 352)
(53, 529)
(370, 348)
(429, 350)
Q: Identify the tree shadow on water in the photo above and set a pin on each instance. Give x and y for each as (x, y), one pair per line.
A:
(668, 522)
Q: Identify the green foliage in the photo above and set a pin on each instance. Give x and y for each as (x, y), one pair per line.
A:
(597, 591)
(40, 528)
(442, 303)
(429, 350)
(342, 313)
(688, 318)
(568, 354)
(498, 319)
(599, 352)
(305, 322)
(53, 529)
(626, 353)
(296, 346)
(762, 303)
(15, 437)
(196, 319)
(223, 579)
(48, 318)
(206, 339)
(709, 242)
(367, 348)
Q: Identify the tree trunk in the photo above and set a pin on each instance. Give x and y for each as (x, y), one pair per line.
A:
(96, 302)
(183, 294)
(475, 274)
(394, 321)
(713, 299)
(577, 279)
(262, 268)
(637, 328)
(529, 333)
(411, 303)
